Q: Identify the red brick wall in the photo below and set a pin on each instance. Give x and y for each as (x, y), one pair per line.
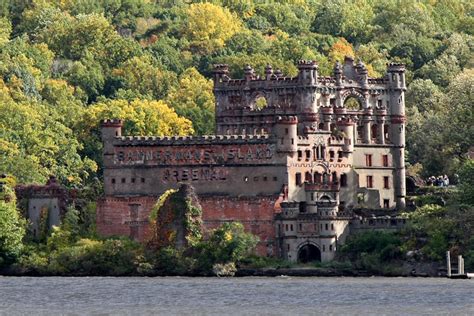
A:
(118, 216)
(255, 213)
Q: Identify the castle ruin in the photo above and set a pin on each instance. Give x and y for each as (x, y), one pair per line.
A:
(297, 160)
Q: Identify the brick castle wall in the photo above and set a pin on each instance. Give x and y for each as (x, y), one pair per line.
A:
(129, 216)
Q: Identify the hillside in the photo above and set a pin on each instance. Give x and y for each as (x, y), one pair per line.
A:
(64, 65)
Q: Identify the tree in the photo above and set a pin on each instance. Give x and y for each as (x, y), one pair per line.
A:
(375, 59)
(5, 30)
(423, 95)
(12, 226)
(441, 70)
(88, 75)
(351, 20)
(193, 99)
(460, 46)
(287, 17)
(340, 49)
(459, 127)
(139, 77)
(36, 144)
(466, 187)
(227, 244)
(208, 26)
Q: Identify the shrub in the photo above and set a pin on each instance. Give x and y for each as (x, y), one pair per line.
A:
(96, 257)
(228, 243)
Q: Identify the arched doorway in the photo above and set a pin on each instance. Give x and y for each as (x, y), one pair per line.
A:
(309, 253)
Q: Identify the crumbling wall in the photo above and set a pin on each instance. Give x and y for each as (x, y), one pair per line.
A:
(178, 219)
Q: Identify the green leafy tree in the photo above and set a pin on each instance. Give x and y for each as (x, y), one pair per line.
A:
(5, 30)
(193, 99)
(466, 188)
(424, 95)
(12, 227)
(351, 20)
(208, 26)
(228, 243)
(139, 77)
(441, 70)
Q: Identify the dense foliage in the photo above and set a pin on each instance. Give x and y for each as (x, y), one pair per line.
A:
(66, 64)
(12, 227)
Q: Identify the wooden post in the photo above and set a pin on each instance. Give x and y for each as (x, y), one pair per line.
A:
(448, 262)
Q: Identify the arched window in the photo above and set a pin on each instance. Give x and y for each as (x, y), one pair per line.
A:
(352, 103)
(260, 102)
(385, 130)
(321, 126)
(373, 130)
(360, 132)
(308, 177)
(334, 177)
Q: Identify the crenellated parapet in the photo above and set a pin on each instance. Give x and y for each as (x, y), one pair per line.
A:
(111, 123)
(191, 140)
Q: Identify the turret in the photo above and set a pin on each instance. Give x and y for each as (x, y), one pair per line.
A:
(249, 73)
(363, 74)
(396, 76)
(220, 73)
(268, 72)
(110, 129)
(307, 79)
(346, 125)
(338, 73)
(285, 130)
(307, 72)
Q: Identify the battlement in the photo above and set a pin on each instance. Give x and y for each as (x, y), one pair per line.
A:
(111, 123)
(287, 119)
(395, 67)
(52, 189)
(307, 64)
(190, 140)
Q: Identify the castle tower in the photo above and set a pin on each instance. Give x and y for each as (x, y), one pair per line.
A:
(346, 125)
(396, 76)
(109, 130)
(285, 131)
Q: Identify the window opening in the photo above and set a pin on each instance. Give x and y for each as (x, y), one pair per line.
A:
(370, 182)
(368, 160)
(385, 160)
(343, 180)
(298, 178)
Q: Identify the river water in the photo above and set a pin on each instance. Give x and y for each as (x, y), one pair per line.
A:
(235, 296)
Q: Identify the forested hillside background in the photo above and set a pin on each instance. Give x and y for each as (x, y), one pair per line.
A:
(66, 64)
